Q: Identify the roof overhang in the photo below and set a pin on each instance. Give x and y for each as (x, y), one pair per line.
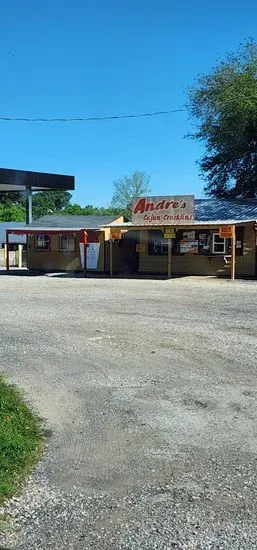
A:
(49, 230)
(201, 224)
(19, 180)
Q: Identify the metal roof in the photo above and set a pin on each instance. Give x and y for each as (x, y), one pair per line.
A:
(225, 210)
(18, 180)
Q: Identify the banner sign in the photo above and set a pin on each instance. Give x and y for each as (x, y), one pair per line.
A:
(170, 233)
(226, 232)
(171, 210)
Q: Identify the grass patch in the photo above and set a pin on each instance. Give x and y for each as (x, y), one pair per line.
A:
(21, 440)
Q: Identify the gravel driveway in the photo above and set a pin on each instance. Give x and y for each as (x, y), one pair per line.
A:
(148, 391)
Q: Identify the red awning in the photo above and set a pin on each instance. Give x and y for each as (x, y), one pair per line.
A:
(43, 230)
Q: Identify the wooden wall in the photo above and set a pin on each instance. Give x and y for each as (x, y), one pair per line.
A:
(55, 260)
(199, 264)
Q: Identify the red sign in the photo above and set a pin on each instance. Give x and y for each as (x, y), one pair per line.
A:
(170, 210)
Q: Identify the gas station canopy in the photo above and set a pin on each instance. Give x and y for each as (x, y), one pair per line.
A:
(20, 180)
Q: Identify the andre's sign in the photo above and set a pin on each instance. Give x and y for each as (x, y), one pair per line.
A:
(163, 210)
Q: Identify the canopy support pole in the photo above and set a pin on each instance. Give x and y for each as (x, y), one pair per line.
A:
(28, 205)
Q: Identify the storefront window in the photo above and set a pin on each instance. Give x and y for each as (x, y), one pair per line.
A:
(42, 242)
(157, 245)
(67, 243)
(218, 244)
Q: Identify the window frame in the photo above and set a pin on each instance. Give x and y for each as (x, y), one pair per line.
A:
(225, 244)
(42, 248)
(68, 236)
(157, 244)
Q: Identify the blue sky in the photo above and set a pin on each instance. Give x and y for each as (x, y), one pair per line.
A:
(81, 58)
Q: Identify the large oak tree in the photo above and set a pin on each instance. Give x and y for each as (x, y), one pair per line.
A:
(223, 105)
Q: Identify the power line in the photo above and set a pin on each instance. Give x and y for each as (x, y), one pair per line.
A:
(92, 118)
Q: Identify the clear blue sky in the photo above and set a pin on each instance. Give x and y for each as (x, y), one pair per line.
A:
(63, 58)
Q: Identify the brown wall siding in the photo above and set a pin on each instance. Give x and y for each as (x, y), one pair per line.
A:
(51, 260)
(246, 264)
(199, 264)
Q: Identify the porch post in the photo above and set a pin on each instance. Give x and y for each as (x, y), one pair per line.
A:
(7, 252)
(111, 257)
(233, 254)
(169, 257)
(20, 247)
(85, 253)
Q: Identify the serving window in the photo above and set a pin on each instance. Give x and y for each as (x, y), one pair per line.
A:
(157, 244)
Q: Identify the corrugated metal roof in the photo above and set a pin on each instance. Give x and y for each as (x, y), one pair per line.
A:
(74, 222)
(225, 210)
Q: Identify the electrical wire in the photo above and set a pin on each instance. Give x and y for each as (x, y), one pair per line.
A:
(92, 118)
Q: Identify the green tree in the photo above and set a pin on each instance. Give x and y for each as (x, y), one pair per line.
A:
(74, 210)
(89, 210)
(13, 198)
(50, 202)
(12, 213)
(223, 105)
(128, 188)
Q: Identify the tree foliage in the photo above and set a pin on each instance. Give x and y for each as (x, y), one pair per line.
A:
(12, 213)
(90, 210)
(50, 202)
(12, 205)
(128, 188)
(224, 106)
(12, 198)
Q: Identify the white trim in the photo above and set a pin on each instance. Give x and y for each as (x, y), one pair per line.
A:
(68, 237)
(45, 239)
(220, 243)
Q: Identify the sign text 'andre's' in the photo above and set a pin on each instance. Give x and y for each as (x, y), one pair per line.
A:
(163, 210)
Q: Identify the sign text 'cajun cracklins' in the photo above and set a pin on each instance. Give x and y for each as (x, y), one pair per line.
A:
(163, 210)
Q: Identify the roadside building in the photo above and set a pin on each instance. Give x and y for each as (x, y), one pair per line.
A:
(56, 242)
(167, 236)
(195, 231)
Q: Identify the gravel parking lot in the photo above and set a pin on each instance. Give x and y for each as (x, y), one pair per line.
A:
(148, 393)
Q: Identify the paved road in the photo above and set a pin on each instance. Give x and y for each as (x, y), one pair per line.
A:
(149, 390)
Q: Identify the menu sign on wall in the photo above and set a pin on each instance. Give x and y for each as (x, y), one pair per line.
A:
(171, 210)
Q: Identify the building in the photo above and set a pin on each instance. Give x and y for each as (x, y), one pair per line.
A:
(56, 242)
(196, 247)
(14, 242)
(167, 236)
